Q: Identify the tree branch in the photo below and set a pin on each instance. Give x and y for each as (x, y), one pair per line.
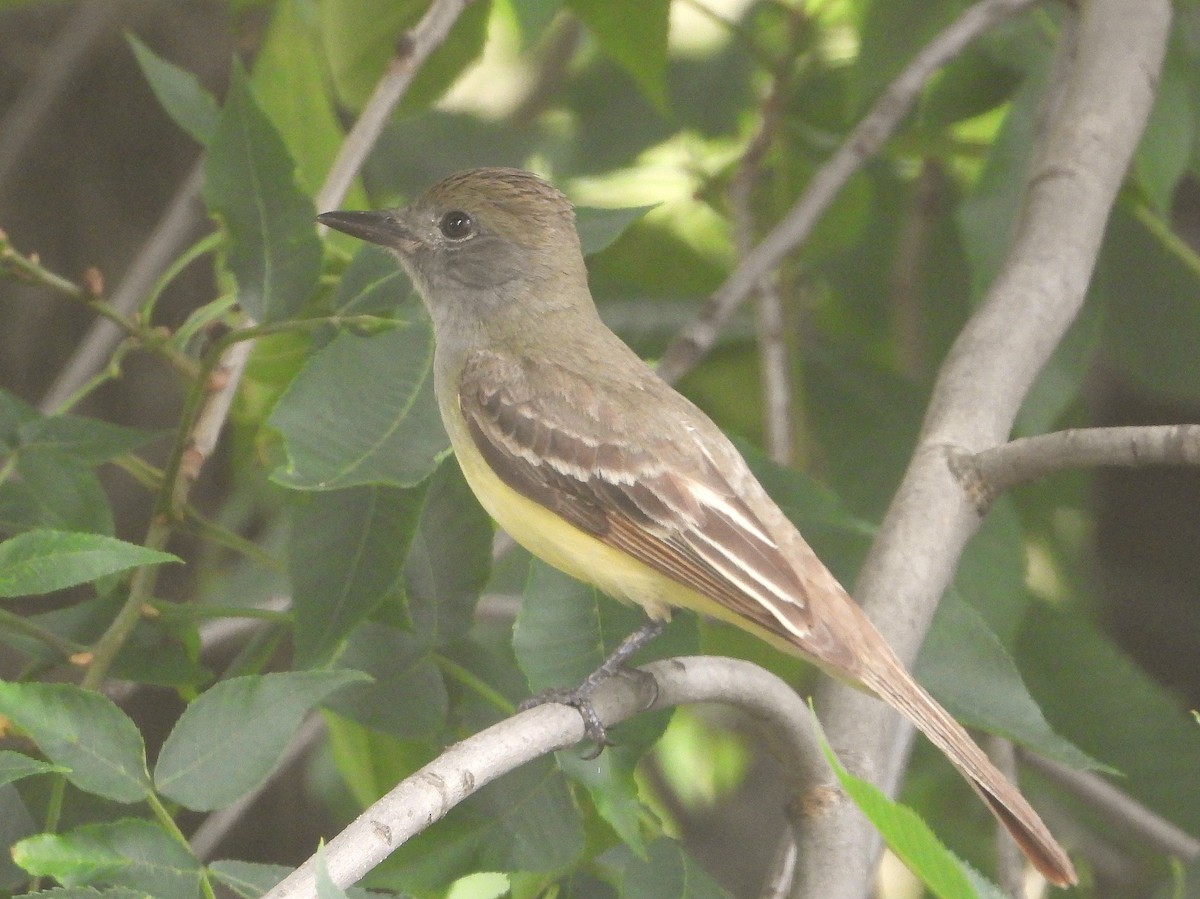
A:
(989, 473)
(1108, 64)
(428, 795)
(694, 341)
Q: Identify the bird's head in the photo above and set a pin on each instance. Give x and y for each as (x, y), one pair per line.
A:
(479, 237)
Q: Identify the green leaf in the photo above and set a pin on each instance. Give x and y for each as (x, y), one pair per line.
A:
(292, 86)
(1102, 701)
(634, 34)
(179, 92)
(598, 228)
(14, 412)
(250, 185)
(373, 284)
(666, 872)
(346, 553)
(407, 698)
(82, 731)
(88, 439)
(254, 718)
(57, 491)
(969, 672)
(362, 411)
(44, 560)
(557, 636)
(131, 853)
(906, 835)
(450, 558)
(14, 766)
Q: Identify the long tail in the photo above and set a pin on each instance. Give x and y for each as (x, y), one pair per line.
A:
(895, 686)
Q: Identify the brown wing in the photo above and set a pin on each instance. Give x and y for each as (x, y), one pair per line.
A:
(657, 498)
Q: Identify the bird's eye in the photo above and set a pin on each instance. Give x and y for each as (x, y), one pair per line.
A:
(456, 225)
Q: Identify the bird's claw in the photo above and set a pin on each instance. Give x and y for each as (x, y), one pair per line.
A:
(580, 699)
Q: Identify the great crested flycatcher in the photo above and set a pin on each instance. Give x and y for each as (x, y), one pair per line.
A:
(593, 463)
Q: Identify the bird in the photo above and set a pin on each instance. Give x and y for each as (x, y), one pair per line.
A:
(586, 457)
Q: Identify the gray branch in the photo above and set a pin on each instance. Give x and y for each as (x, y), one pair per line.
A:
(427, 796)
(1106, 75)
(987, 474)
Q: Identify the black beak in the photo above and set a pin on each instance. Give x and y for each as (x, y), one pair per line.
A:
(383, 228)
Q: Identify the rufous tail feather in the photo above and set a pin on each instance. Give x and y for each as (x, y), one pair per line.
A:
(1005, 801)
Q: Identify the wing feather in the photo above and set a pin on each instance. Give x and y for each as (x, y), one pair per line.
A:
(666, 505)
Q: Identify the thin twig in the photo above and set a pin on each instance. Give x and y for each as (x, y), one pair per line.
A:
(28, 267)
(428, 795)
(1119, 808)
(1108, 60)
(694, 341)
(987, 474)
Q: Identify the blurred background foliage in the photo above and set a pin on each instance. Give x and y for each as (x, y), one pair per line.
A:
(329, 533)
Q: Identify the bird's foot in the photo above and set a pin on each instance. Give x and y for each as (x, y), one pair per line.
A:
(580, 698)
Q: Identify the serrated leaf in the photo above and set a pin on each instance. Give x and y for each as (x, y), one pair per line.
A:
(346, 553)
(362, 411)
(189, 105)
(634, 34)
(250, 185)
(42, 561)
(255, 717)
(130, 853)
(14, 766)
(906, 834)
(82, 731)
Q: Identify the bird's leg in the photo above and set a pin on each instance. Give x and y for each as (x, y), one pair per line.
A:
(580, 697)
